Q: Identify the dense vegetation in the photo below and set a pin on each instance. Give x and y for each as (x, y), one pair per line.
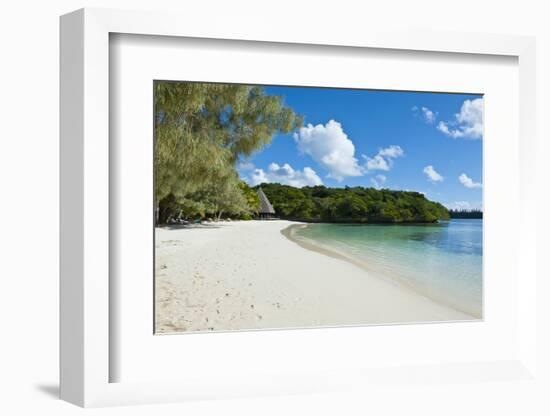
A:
(466, 213)
(201, 131)
(352, 205)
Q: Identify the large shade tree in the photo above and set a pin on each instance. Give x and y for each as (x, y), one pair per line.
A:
(203, 129)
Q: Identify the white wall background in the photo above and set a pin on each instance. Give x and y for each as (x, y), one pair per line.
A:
(29, 206)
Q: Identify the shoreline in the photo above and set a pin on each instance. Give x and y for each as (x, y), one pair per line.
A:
(247, 275)
(332, 252)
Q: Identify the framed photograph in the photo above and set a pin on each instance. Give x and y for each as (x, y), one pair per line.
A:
(244, 182)
(295, 199)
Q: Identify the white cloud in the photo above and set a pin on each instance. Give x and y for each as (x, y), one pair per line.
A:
(378, 181)
(442, 127)
(383, 160)
(462, 205)
(392, 151)
(468, 123)
(376, 163)
(428, 115)
(257, 177)
(330, 147)
(432, 174)
(245, 166)
(285, 175)
(468, 182)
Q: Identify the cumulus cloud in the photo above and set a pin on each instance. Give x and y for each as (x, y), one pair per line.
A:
(376, 163)
(285, 175)
(392, 151)
(427, 115)
(467, 124)
(257, 177)
(468, 182)
(330, 147)
(378, 181)
(432, 174)
(245, 166)
(383, 160)
(333, 150)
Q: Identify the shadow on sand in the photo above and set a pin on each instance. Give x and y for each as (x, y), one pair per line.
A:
(203, 225)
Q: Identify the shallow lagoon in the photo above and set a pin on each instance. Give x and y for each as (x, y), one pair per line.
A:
(442, 261)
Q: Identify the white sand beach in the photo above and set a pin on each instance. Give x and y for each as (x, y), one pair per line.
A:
(248, 275)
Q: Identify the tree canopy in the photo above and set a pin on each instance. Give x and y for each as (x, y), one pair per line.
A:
(352, 205)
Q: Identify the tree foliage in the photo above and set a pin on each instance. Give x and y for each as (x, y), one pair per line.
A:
(201, 131)
(352, 205)
(223, 196)
(252, 198)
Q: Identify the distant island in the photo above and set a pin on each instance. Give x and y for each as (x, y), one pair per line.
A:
(352, 205)
(466, 213)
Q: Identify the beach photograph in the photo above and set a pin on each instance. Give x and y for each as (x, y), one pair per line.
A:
(281, 207)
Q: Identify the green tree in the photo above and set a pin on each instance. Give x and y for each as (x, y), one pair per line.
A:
(225, 197)
(203, 129)
(354, 205)
(251, 197)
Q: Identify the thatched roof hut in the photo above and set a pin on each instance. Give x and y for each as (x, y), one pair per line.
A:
(266, 209)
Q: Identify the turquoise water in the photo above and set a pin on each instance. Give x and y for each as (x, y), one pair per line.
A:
(442, 261)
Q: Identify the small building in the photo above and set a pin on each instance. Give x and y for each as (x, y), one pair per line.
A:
(266, 209)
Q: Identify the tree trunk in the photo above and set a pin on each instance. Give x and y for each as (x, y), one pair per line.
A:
(157, 214)
(163, 210)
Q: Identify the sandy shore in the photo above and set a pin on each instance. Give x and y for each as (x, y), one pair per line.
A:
(248, 275)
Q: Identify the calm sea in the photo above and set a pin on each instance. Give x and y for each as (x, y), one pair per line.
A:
(442, 261)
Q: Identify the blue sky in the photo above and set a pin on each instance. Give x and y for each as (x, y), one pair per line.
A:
(426, 142)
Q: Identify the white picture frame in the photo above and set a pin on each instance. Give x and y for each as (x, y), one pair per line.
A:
(86, 355)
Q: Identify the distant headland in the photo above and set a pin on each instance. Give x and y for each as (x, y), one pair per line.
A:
(352, 205)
